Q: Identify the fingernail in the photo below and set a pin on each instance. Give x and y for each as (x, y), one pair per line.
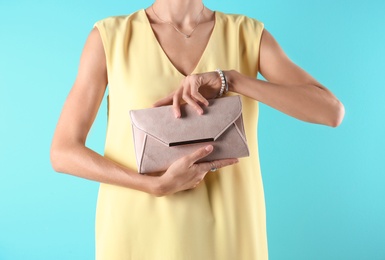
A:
(209, 148)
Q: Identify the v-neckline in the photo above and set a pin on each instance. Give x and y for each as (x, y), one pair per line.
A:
(164, 54)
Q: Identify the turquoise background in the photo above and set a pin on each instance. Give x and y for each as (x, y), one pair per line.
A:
(324, 187)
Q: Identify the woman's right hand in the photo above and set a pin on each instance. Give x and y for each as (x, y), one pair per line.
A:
(185, 173)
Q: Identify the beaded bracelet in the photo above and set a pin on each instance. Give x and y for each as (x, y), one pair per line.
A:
(224, 85)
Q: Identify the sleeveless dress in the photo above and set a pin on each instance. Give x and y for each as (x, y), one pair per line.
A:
(224, 217)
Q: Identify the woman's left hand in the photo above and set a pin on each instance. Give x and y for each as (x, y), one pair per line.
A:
(194, 89)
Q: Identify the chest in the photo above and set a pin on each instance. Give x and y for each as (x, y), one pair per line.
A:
(182, 52)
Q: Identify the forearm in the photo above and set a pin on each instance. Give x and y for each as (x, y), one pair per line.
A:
(309, 103)
(81, 161)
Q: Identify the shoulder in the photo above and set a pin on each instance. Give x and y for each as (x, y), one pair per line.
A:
(240, 21)
(115, 22)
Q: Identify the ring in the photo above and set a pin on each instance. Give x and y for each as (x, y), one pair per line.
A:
(213, 168)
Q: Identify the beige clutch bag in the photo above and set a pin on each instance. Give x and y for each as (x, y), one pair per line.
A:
(160, 138)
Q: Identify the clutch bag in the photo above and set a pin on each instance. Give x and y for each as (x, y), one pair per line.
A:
(160, 139)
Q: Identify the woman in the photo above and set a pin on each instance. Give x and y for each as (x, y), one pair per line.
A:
(167, 54)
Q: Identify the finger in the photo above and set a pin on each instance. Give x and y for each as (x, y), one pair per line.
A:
(196, 95)
(199, 154)
(164, 101)
(186, 97)
(217, 164)
(196, 184)
(176, 103)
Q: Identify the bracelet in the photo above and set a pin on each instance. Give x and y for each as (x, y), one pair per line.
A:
(224, 85)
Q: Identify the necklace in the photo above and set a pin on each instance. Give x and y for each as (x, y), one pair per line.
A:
(198, 20)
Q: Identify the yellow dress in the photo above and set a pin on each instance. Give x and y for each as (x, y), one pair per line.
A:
(224, 217)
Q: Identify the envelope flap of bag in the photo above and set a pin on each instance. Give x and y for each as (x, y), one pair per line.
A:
(161, 124)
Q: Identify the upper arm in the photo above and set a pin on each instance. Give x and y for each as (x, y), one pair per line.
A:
(276, 67)
(85, 97)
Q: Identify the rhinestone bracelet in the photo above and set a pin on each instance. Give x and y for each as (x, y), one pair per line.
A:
(224, 86)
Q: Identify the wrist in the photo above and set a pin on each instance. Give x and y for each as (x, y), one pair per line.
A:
(224, 87)
(232, 77)
(147, 183)
(157, 186)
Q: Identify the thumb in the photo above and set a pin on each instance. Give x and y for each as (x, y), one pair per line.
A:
(199, 154)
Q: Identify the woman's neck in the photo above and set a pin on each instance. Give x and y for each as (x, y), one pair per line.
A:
(180, 13)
